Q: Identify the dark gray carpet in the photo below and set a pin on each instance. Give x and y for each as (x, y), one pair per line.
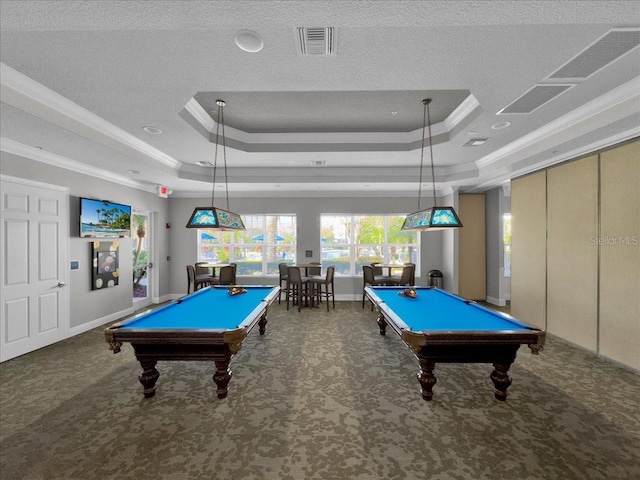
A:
(320, 396)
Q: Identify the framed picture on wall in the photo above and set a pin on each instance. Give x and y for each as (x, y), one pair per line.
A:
(105, 271)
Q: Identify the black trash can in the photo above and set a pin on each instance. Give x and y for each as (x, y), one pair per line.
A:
(436, 279)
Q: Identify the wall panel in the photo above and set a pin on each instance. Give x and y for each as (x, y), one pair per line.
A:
(473, 266)
(572, 259)
(619, 244)
(528, 249)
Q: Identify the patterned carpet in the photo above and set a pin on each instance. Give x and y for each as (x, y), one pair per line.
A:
(320, 396)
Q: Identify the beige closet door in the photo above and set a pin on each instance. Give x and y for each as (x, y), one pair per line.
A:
(528, 249)
(572, 258)
(619, 244)
(472, 282)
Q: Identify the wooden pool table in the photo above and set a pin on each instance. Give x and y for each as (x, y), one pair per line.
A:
(209, 324)
(441, 327)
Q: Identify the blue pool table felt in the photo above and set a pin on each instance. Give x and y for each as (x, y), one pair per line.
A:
(206, 309)
(436, 310)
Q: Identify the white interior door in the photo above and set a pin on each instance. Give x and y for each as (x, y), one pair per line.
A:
(34, 245)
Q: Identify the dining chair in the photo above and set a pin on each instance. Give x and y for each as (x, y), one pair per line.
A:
(282, 270)
(227, 276)
(369, 280)
(203, 271)
(327, 281)
(194, 280)
(297, 286)
(406, 278)
(314, 271)
(413, 273)
(378, 272)
(235, 271)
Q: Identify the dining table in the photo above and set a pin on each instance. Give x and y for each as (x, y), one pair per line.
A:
(309, 295)
(215, 267)
(307, 266)
(388, 266)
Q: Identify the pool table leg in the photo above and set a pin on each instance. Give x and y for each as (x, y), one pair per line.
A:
(262, 324)
(149, 377)
(382, 324)
(426, 378)
(222, 376)
(501, 380)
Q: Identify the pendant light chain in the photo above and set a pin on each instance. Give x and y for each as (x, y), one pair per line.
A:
(215, 159)
(424, 121)
(224, 156)
(433, 174)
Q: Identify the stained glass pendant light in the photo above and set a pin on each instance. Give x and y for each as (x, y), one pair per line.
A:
(434, 218)
(214, 217)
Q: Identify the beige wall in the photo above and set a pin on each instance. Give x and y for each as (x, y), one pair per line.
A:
(472, 281)
(619, 245)
(584, 279)
(572, 262)
(529, 249)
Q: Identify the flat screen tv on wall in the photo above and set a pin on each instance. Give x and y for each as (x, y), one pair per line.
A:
(104, 219)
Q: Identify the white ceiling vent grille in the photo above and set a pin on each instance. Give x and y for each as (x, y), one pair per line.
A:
(534, 99)
(475, 142)
(599, 54)
(316, 40)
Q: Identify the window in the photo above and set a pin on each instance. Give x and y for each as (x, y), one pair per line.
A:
(351, 241)
(507, 244)
(267, 241)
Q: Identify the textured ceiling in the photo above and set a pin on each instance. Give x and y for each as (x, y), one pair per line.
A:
(80, 80)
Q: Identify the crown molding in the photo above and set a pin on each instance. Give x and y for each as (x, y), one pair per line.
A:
(624, 97)
(32, 97)
(34, 153)
(201, 121)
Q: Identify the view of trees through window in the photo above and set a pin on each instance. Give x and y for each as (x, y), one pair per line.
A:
(351, 241)
(507, 244)
(267, 241)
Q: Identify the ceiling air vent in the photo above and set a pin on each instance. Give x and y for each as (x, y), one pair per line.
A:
(316, 40)
(534, 99)
(599, 54)
(475, 142)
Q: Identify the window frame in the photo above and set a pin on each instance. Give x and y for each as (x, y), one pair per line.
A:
(385, 246)
(234, 246)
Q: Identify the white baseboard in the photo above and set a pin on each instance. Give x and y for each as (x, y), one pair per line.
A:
(499, 302)
(85, 327)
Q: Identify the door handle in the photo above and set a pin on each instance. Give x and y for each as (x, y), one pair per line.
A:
(61, 284)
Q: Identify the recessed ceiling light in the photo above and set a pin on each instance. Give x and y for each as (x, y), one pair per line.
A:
(249, 41)
(204, 164)
(501, 125)
(152, 130)
(134, 172)
(394, 113)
